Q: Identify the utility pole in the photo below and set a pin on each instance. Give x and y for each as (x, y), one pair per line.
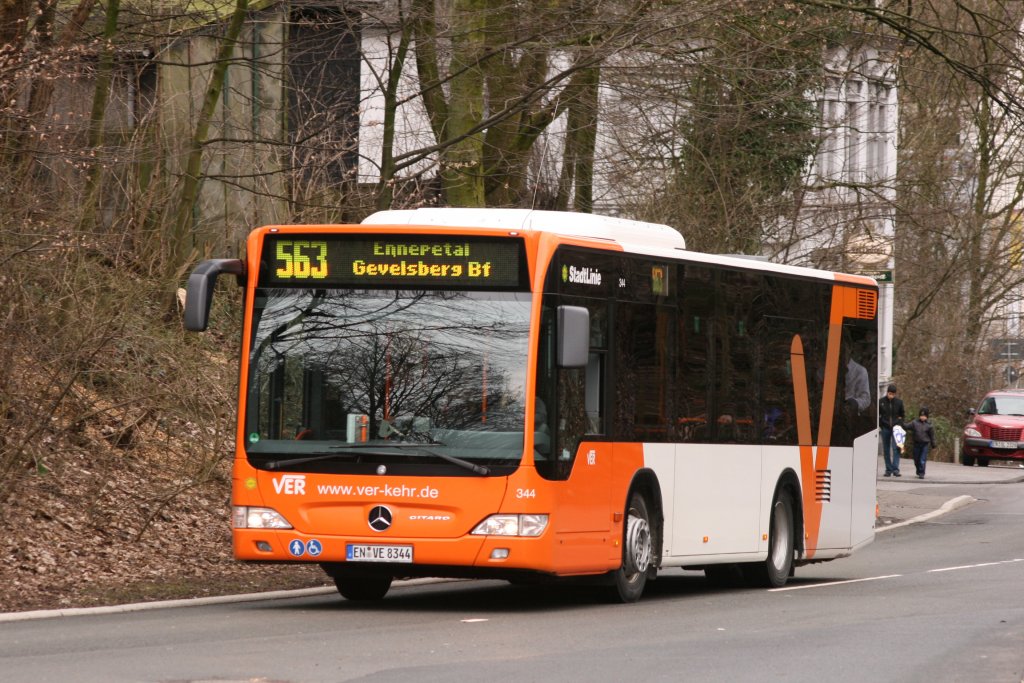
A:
(886, 288)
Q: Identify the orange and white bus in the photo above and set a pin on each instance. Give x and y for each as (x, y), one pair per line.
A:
(528, 395)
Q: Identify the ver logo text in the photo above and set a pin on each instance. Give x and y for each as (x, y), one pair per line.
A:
(290, 484)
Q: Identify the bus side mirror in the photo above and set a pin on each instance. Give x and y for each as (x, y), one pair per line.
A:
(200, 290)
(573, 336)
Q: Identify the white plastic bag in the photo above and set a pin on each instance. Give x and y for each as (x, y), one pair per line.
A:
(899, 437)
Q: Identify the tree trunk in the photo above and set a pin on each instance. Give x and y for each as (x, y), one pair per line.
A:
(386, 185)
(97, 118)
(462, 173)
(183, 238)
(577, 179)
(42, 86)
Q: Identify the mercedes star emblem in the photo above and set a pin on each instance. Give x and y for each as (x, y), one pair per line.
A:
(380, 518)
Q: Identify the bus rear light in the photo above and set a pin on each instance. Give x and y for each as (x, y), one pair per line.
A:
(512, 525)
(243, 517)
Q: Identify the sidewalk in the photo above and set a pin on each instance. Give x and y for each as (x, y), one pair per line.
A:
(907, 497)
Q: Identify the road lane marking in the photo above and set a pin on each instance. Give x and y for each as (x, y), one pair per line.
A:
(194, 602)
(893, 576)
(833, 583)
(974, 566)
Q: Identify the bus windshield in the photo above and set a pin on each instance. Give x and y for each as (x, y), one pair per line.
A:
(340, 379)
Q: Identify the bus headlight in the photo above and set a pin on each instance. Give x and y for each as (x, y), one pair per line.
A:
(243, 517)
(512, 525)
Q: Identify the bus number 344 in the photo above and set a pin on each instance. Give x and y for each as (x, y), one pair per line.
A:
(526, 493)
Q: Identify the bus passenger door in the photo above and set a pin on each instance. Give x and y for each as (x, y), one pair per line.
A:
(580, 458)
(582, 450)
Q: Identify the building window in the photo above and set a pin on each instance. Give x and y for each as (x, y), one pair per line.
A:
(855, 127)
(877, 133)
(829, 159)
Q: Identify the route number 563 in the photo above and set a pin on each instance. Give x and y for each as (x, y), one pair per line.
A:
(301, 259)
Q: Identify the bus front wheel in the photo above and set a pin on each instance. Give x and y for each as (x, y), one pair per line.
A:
(774, 571)
(637, 551)
(362, 588)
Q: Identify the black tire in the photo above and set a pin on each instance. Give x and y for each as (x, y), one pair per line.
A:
(982, 462)
(523, 581)
(967, 461)
(724, 575)
(638, 555)
(363, 588)
(775, 570)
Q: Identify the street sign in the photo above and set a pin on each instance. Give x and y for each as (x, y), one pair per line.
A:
(1007, 349)
(879, 275)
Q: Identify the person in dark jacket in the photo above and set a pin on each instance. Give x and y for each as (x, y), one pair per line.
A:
(924, 439)
(890, 414)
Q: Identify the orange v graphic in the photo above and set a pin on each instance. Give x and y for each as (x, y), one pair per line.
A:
(814, 455)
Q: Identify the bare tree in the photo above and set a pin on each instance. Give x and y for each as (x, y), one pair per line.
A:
(492, 77)
(959, 235)
(721, 122)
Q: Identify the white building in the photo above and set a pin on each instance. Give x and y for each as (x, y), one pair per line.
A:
(843, 219)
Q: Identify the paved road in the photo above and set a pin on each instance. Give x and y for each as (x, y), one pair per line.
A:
(907, 497)
(931, 602)
(901, 501)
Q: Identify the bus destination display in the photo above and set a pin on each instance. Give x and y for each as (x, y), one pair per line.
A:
(406, 261)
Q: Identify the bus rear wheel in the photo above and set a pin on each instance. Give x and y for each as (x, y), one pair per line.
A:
(363, 588)
(637, 552)
(774, 571)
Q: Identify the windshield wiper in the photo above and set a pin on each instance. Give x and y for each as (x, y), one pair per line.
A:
(482, 470)
(379, 449)
(277, 464)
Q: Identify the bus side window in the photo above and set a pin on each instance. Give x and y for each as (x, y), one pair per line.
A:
(545, 401)
(572, 419)
(573, 397)
(695, 357)
(595, 385)
(541, 429)
(597, 369)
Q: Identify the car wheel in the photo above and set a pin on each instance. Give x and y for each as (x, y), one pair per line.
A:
(774, 571)
(363, 588)
(967, 461)
(637, 552)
